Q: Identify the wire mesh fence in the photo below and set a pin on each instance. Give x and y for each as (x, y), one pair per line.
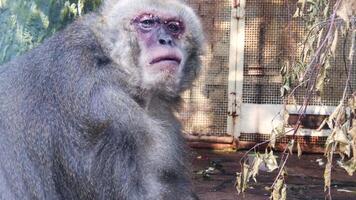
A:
(205, 107)
(271, 35)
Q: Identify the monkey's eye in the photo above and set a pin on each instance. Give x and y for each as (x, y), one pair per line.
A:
(147, 23)
(174, 27)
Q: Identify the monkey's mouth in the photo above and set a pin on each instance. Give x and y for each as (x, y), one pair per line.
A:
(167, 59)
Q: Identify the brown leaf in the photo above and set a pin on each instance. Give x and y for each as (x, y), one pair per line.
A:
(238, 185)
(352, 131)
(334, 43)
(299, 150)
(346, 10)
(349, 166)
(255, 167)
(279, 190)
(290, 146)
(341, 136)
(327, 176)
(270, 161)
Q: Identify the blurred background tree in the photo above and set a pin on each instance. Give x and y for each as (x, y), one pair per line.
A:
(26, 23)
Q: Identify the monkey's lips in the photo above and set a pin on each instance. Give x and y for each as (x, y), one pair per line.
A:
(169, 63)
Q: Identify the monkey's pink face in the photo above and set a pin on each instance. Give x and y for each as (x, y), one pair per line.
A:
(161, 57)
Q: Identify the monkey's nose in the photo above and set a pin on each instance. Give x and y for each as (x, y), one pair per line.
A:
(166, 41)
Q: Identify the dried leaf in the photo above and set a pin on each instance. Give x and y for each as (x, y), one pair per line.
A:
(303, 3)
(352, 102)
(300, 9)
(285, 116)
(290, 146)
(335, 116)
(336, 112)
(319, 85)
(272, 142)
(322, 124)
(327, 172)
(242, 179)
(255, 167)
(299, 150)
(341, 117)
(276, 189)
(327, 177)
(297, 13)
(341, 136)
(278, 130)
(329, 142)
(238, 185)
(346, 10)
(344, 149)
(352, 132)
(245, 177)
(326, 11)
(320, 38)
(283, 92)
(349, 166)
(270, 161)
(279, 190)
(334, 43)
(284, 192)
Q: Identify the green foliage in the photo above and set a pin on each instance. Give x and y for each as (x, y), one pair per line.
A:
(25, 23)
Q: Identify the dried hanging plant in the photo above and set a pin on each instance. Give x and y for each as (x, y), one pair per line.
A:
(324, 23)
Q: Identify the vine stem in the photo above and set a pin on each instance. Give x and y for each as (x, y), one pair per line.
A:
(351, 58)
(311, 86)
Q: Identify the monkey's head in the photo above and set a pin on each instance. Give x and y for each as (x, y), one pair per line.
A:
(157, 42)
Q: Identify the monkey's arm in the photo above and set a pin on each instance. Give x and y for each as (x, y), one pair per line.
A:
(159, 167)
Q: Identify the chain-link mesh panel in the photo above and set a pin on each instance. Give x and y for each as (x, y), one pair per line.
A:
(308, 140)
(205, 107)
(272, 36)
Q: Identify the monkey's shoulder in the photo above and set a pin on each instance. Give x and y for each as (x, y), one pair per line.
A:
(77, 39)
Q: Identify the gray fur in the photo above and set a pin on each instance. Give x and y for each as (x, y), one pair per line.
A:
(76, 122)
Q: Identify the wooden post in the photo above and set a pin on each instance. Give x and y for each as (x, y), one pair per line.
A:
(236, 64)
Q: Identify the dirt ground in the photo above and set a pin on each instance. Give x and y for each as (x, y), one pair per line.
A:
(305, 178)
